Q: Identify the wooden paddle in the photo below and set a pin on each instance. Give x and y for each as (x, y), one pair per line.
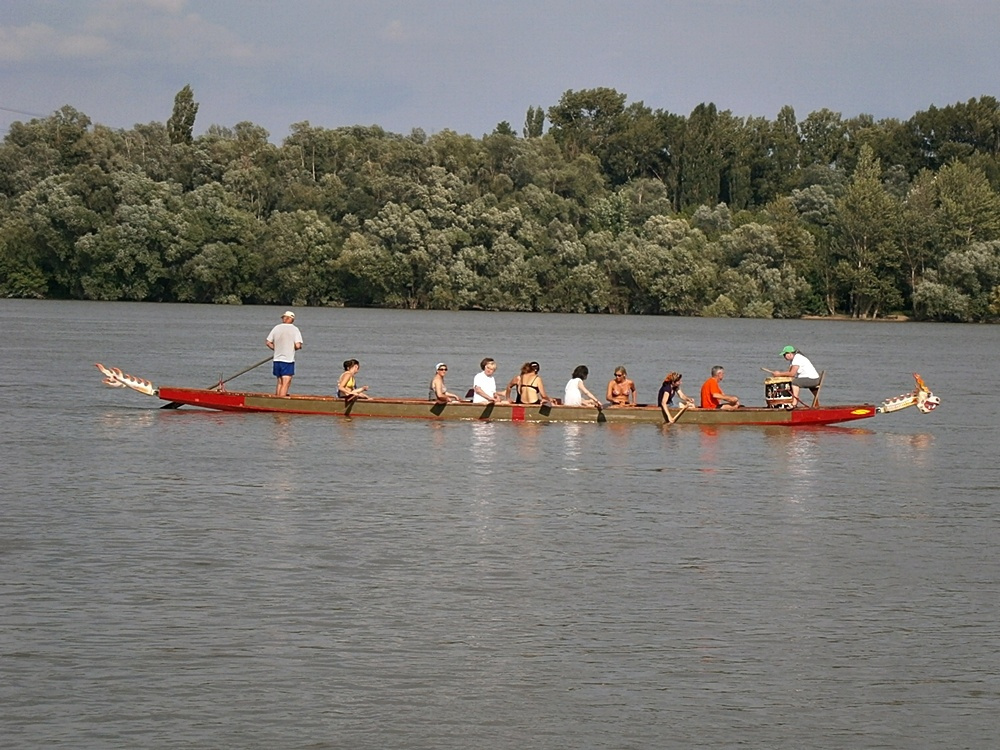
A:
(671, 420)
(214, 386)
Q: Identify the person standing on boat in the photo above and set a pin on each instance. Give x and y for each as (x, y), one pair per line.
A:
(800, 370)
(577, 393)
(437, 391)
(712, 396)
(284, 339)
(484, 385)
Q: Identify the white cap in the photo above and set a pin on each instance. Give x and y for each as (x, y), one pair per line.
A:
(288, 314)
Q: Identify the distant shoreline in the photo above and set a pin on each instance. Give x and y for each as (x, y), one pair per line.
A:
(849, 319)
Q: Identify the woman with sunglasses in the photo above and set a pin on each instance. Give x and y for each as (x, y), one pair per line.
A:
(621, 389)
(437, 391)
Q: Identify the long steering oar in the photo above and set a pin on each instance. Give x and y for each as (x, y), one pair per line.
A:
(177, 404)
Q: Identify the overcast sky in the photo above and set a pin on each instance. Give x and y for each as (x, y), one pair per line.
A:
(466, 65)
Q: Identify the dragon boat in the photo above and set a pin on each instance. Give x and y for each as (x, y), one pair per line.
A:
(779, 410)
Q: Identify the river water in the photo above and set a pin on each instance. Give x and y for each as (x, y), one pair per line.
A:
(181, 578)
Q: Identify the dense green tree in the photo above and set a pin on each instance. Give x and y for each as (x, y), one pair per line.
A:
(968, 208)
(645, 197)
(299, 260)
(683, 270)
(761, 281)
(742, 149)
(148, 148)
(180, 126)
(127, 258)
(920, 231)
(534, 122)
(964, 288)
(373, 274)
(866, 241)
(714, 222)
(60, 210)
(702, 158)
(824, 138)
(957, 131)
(584, 121)
(641, 147)
(617, 208)
(21, 270)
(215, 258)
(779, 173)
(504, 128)
(43, 148)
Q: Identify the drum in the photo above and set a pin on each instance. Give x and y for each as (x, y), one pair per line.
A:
(778, 393)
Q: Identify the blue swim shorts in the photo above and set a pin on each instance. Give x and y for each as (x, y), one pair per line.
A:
(283, 369)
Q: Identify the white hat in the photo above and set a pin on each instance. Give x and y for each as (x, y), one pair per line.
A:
(440, 365)
(288, 314)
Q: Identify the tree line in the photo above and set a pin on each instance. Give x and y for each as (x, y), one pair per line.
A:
(598, 205)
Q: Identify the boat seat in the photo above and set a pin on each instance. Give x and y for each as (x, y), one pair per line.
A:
(816, 388)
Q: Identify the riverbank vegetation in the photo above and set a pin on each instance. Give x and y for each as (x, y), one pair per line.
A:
(596, 205)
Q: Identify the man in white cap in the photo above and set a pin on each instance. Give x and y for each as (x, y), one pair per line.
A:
(285, 339)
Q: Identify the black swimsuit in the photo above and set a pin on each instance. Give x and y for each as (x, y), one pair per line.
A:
(520, 391)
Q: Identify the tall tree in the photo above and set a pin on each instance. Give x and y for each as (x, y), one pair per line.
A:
(867, 232)
(957, 131)
(702, 159)
(968, 208)
(180, 126)
(583, 121)
(824, 138)
(534, 122)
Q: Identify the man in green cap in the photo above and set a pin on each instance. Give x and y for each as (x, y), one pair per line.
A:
(800, 370)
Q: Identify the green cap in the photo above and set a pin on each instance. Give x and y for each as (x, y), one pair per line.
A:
(788, 350)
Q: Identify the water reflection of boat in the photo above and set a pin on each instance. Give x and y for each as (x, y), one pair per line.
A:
(220, 399)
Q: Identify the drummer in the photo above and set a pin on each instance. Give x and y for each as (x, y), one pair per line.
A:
(800, 370)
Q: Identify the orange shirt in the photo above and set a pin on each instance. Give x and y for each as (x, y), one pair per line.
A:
(709, 390)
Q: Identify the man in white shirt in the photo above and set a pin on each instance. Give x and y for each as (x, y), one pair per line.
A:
(285, 339)
(484, 385)
(800, 370)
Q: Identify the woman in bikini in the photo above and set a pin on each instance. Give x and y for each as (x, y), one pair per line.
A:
(530, 389)
(621, 389)
(437, 391)
(346, 387)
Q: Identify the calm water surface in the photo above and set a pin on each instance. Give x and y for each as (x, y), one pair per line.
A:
(193, 579)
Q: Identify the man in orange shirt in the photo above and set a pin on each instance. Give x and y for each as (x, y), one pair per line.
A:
(712, 396)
